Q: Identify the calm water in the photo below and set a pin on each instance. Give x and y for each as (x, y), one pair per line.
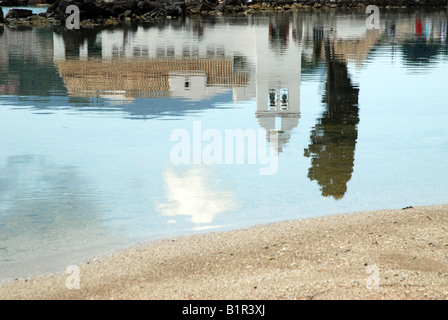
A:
(86, 119)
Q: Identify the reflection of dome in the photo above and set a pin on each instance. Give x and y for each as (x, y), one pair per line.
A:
(196, 193)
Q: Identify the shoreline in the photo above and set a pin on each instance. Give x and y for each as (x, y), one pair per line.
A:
(97, 13)
(383, 254)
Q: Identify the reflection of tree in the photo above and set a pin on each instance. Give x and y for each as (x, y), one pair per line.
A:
(333, 139)
(26, 63)
(428, 43)
(421, 52)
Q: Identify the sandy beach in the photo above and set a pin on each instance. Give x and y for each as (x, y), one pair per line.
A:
(386, 254)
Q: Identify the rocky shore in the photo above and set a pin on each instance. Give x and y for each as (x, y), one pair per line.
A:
(114, 12)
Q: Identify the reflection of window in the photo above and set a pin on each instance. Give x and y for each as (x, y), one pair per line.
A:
(278, 97)
(220, 51)
(194, 51)
(210, 50)
(136, 51)
(186, 51)
(284, 98)
(115, 50)
(272, 99)
(160, 52)
(170, 51)
(145, 50)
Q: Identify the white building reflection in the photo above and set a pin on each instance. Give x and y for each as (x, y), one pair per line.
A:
(193, 63)
(169, 62)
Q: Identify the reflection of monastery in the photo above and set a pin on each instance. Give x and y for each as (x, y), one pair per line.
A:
(173, 63)
(153, 77)
(195, 63)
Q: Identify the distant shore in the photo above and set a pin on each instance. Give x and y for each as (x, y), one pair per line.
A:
(114, 12)
(385, 254)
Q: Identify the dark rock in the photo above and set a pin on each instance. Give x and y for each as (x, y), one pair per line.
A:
(118, 7)
(38, 20)
(14, 3)
(18, 14)
(232, 9)
(148, 6)
(88, 10)
(182, 5)
(204, 7)
(235, 2)
(173, 11)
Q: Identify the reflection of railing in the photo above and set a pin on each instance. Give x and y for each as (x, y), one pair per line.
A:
(144, 78)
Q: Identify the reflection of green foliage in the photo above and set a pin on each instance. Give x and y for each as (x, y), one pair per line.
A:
(310, 68)
(421, 52)
(333, 151)
(333, 139)
(36, 77)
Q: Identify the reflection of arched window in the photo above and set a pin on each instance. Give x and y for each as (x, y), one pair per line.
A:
(272, 99)
(278, 97)
(284, 98)
(170, 51)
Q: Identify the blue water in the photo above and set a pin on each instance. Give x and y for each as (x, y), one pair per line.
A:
(88, 122)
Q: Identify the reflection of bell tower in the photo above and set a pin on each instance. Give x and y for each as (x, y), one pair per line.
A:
(278, 108)
(278, 80)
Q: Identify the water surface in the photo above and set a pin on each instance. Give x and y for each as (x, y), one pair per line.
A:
(86, 119)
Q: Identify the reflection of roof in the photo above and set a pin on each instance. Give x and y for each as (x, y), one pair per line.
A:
(355, 49)
(143, 77)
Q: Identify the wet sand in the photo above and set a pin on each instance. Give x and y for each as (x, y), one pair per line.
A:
(387, 254)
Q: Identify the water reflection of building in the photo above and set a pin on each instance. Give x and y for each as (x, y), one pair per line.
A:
(130, 65)
(150, 78)
(264, 61)
(277, 77)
